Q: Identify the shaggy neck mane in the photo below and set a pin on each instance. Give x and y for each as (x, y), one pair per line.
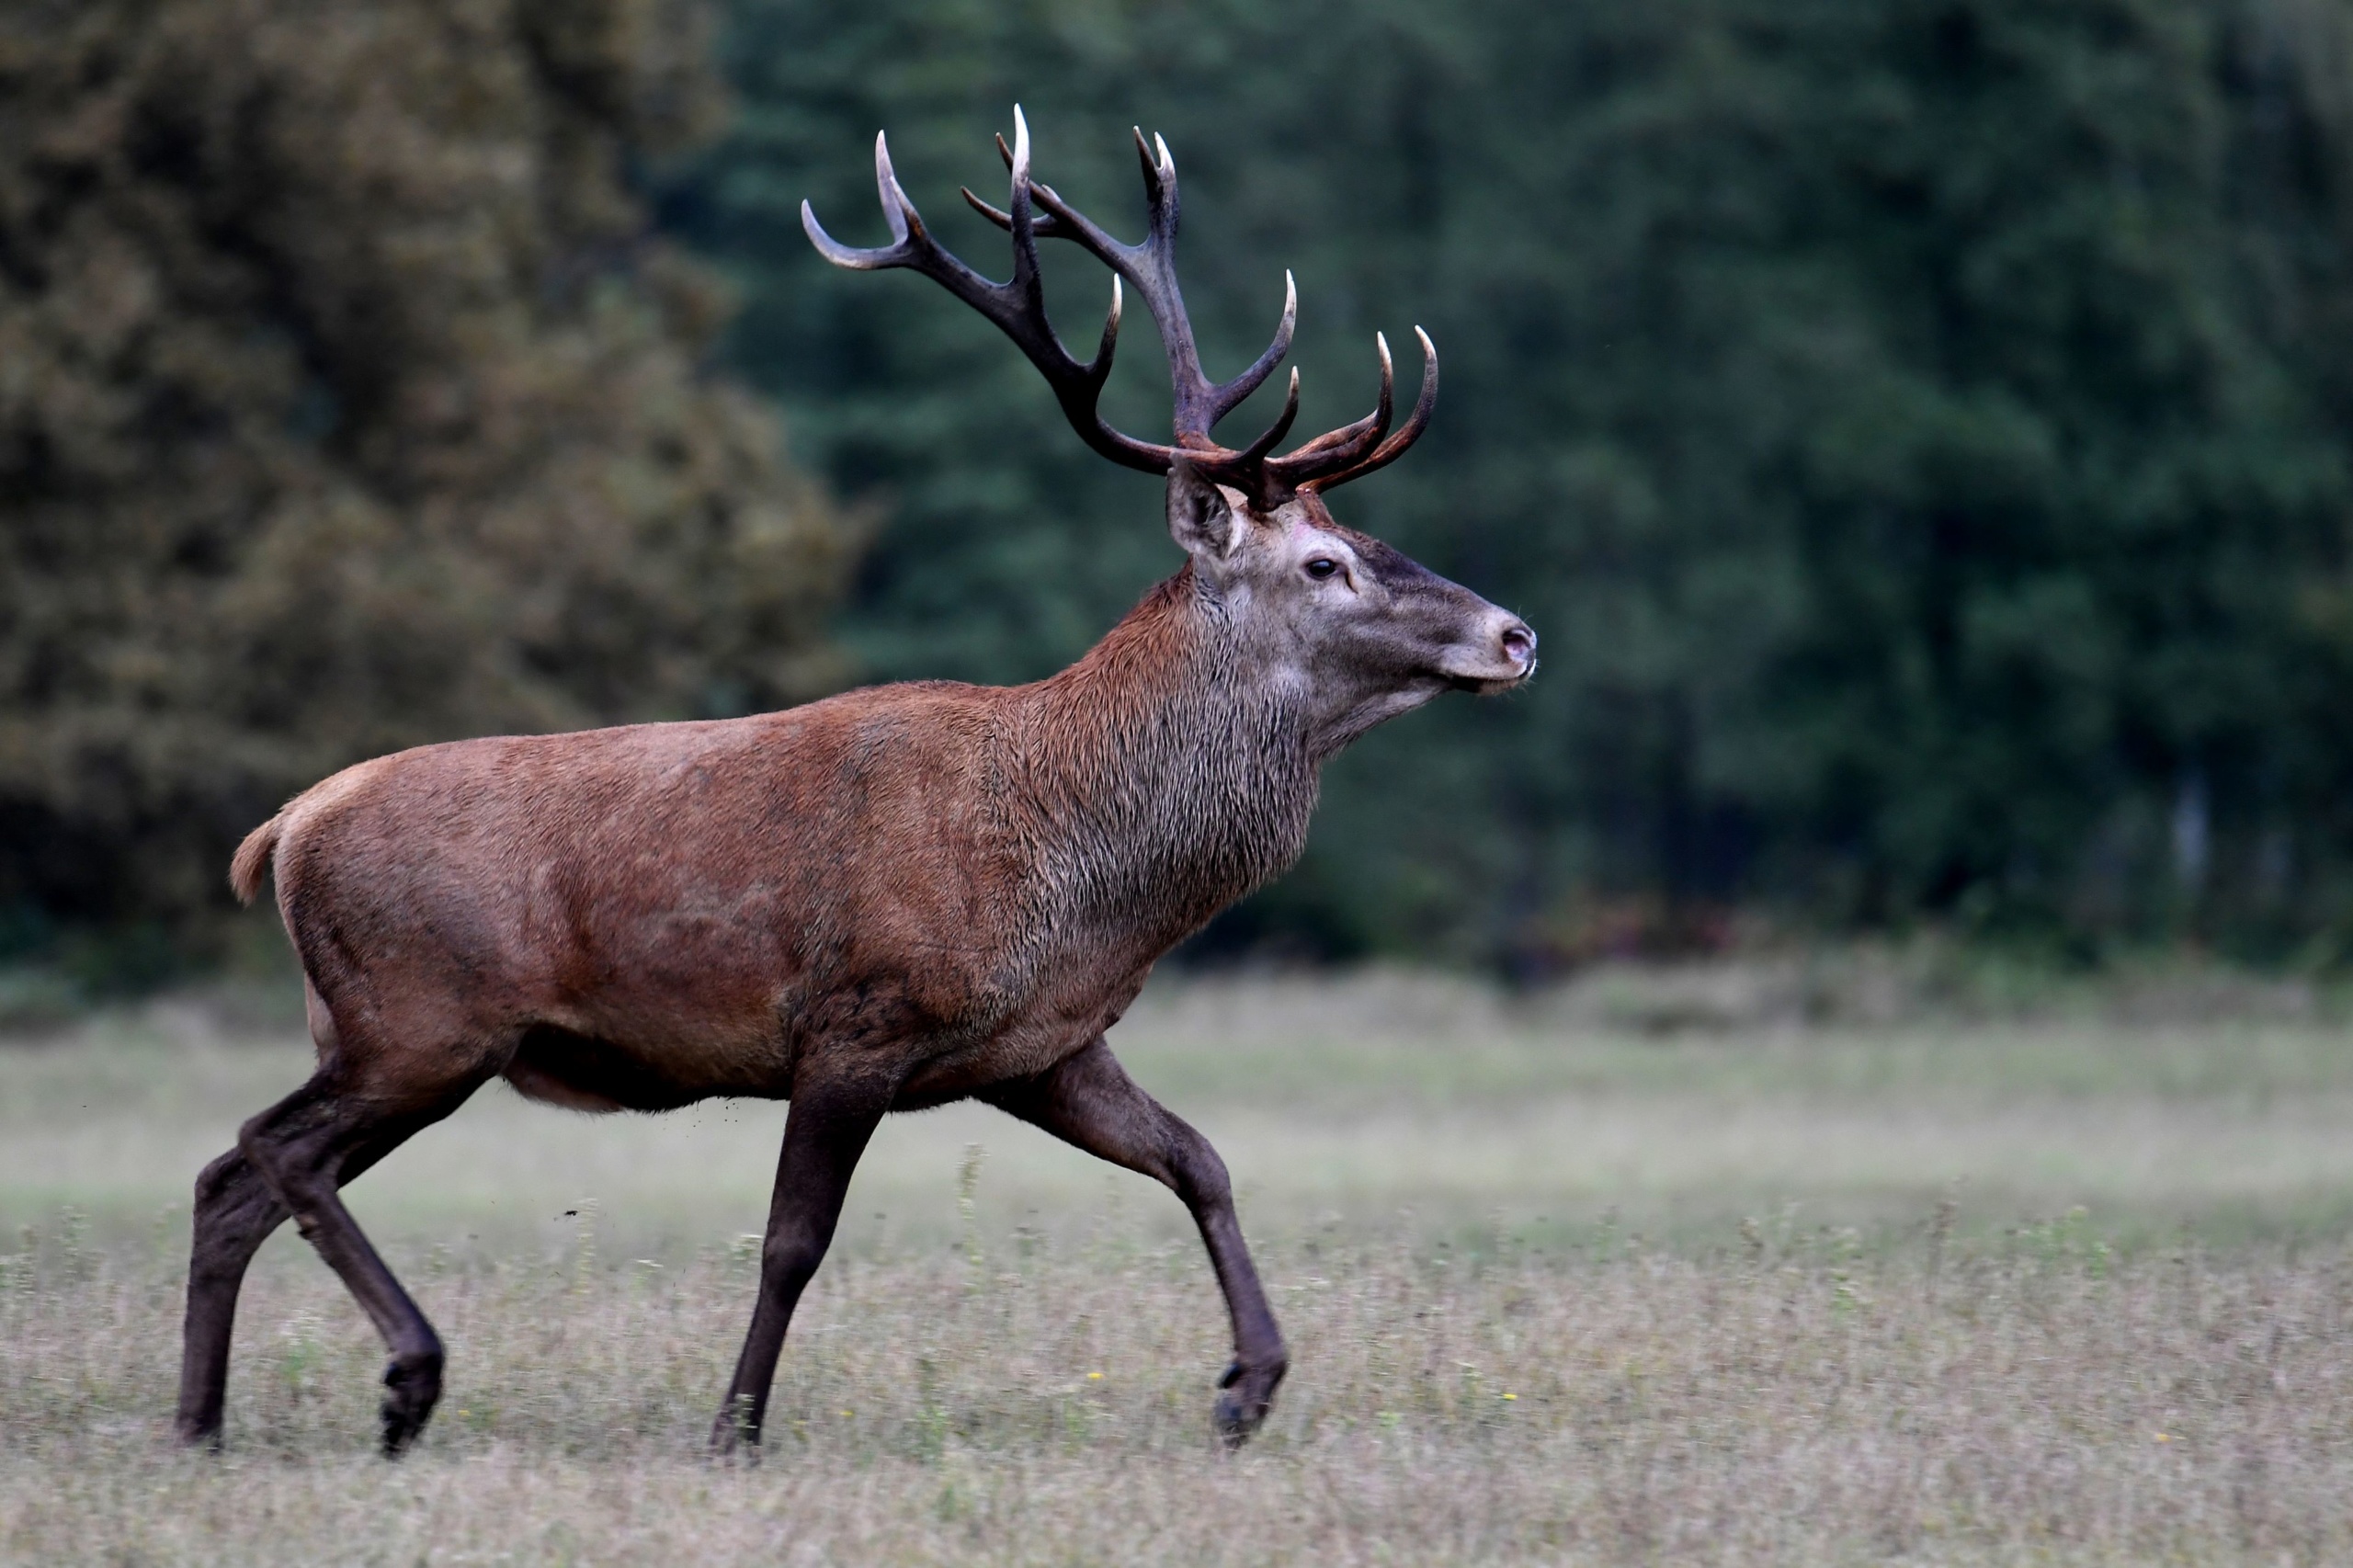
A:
(1164, 772)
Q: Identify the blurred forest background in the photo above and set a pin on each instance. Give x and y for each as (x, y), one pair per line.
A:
(1922, 430)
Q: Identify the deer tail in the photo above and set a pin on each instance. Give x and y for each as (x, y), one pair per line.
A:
(252, 859)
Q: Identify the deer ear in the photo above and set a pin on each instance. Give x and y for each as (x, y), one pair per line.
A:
(1199, 517)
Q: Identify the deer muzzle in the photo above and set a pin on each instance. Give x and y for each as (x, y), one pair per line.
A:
(1500, 655)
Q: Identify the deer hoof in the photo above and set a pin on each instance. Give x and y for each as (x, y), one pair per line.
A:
(1248, 1393)
(736, 1433)
(193, 1432)
(412, 1388)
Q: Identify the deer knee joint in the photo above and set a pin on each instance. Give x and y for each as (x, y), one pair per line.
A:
(1206, 1195)
(214, 1181)
(790, 1257)
(1200, 1177)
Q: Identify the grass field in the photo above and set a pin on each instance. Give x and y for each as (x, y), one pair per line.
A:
(1652, 1271)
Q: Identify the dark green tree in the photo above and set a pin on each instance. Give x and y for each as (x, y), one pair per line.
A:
(347, 402)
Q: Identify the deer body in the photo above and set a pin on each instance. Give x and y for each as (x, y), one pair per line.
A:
(888, 900)
(975, 879)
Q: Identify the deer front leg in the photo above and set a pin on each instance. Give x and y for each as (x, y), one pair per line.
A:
(825, 1133)
(1089, 1101)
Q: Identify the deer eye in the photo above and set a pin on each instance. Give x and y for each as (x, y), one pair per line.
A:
(1323, 567)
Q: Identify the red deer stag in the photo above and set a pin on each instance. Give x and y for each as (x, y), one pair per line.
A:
(885, 901)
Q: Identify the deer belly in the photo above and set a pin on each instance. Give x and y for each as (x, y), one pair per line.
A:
(585, 1072)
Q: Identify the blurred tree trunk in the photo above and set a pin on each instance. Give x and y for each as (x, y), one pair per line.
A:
(347, 402)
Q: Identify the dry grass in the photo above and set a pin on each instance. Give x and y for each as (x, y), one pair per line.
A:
(1802, 1401)
(2168, 1378)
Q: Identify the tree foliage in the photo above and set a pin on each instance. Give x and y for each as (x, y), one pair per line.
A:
(347, 402)
(1918, 427)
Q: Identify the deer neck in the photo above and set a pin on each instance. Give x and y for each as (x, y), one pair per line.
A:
(1163, 777)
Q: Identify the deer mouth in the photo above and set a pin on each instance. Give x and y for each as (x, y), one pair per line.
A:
(1489, 686)
(1491, 681)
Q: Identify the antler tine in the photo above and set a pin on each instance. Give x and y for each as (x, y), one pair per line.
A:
(1110, 333)
(896, 209)
(1046, 226)
(1254, 455)
(1025, 238)
(1390, 450)
(1225, 398)
(1337, 449)
(1159, 182)
(913, 246)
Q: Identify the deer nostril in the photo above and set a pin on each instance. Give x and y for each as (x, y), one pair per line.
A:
(1519, 644)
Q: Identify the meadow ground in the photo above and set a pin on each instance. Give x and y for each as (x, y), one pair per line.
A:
(1708, 1269)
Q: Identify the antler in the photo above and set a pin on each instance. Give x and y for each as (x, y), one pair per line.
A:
(1018, 307)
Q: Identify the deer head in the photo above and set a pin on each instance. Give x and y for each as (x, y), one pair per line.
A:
(1357, 629)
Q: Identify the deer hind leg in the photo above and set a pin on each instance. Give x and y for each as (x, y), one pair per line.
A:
(304, 1148)
(236, 1212)
(1089, 1101)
